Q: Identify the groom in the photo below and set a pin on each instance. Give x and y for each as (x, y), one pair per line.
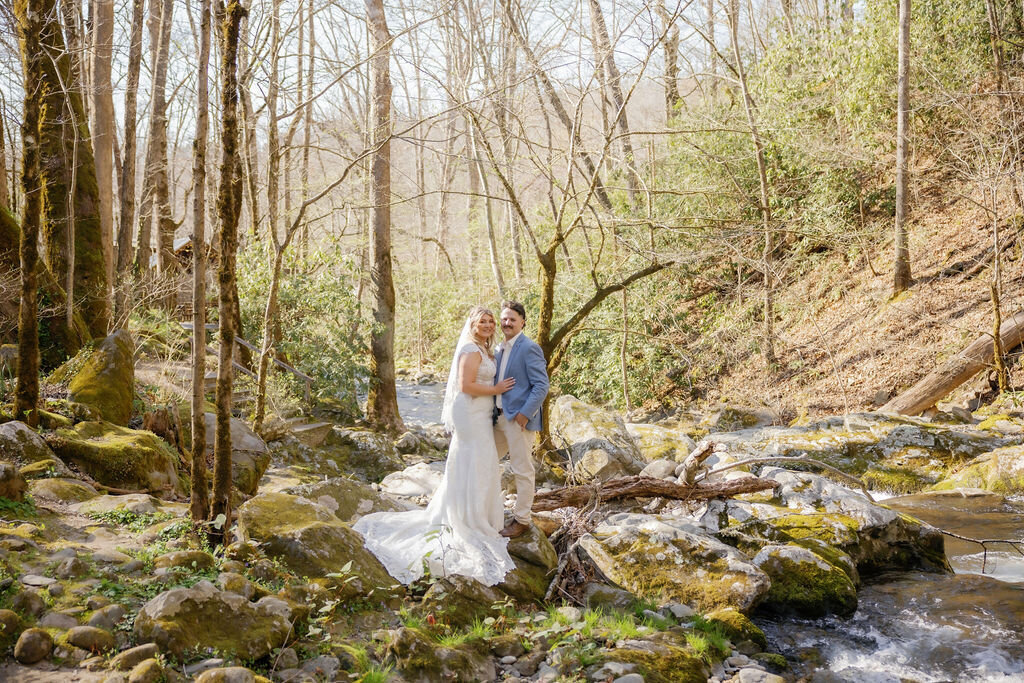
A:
(517, 411)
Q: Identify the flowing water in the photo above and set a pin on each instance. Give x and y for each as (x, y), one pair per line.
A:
(968, 626)
(909, 627)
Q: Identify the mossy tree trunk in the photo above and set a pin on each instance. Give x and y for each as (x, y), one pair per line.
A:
(127, 217)
(902, 279)
(199, 505)
(63, 123)
(382, 401)
(227, 210)
(30, 19)
(102, 123)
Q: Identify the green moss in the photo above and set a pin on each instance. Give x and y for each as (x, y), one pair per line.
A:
(736, 626)
(991, 421)
(773, 660)
(677, 665)
(106, 381)
(895, 480)
(833, 528)
(808, 589)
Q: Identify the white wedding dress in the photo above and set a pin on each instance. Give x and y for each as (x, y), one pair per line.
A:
(457, 533)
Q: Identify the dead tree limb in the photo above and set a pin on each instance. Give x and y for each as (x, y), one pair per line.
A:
(797, 459)
(646, 487)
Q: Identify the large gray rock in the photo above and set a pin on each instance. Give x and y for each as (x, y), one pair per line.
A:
(804, 583)
(667, 559)
(421, 660)
(536, 560)
(63, 490)
(309, 540)
(657, 443)
(202, 616)
(421, 479)
(250, 455)
(346, 498)
(106, 383)
(21, 445)
(1001, 471)
(600, 446)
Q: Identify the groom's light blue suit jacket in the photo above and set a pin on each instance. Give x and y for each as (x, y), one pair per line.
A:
(528, 367)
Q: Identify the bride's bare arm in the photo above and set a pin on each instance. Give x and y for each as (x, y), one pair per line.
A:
(469, 363)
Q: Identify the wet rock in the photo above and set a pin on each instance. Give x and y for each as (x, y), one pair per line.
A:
(106, 382)
(33, 645)
(421, 659)
(203, 616)
(90, 638)
(601, 447)
(805, 584)
(346, 498)
(127, 660)
(12, 484)
(667, 559)
(118, 456)
(310, 540)
(63, 490)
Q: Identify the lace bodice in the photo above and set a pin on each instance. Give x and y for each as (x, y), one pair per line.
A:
(488, 368)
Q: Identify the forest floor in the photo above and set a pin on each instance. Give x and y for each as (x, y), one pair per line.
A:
(845, 345)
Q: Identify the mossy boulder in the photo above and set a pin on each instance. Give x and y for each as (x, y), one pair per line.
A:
(660, 443)
(346, 498)
(663, 658)
(669, 560)
(309, 540)
(459, 600)
(804, 584)
(22, 445)
(137, 503)
(63, 490)
(205, 617)
(600, 446)
(731, 418)
(10, 628)
(1001, 471)
(737, 626)
(366, 453)
(421, 659)
(250, 455)
(118, 456)
(536, 560)
(106, 382)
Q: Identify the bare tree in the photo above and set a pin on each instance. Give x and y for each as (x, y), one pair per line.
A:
(102, 122)
(671, 45)
(127, 193)
(382, 401)
(199, 505)
(902, 278)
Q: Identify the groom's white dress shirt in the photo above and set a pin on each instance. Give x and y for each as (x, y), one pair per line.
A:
(506, 352)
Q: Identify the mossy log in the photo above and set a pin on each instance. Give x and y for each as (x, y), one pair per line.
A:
(948, 376)
(646, 487)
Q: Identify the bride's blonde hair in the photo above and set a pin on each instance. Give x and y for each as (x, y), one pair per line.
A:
(475, 316)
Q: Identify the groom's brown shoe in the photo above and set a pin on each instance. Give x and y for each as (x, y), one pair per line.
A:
(514, 529)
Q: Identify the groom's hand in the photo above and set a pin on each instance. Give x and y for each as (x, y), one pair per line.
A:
(521, 420)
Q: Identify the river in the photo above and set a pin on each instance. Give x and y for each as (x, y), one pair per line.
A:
(909, 627)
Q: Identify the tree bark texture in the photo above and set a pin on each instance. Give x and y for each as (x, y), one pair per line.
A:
(127, 214)
(382, 399)
(199, 505)
(957, 370)
(902, 278)
(227, 211)
(62, 123)
(102, 123)
(30, 18)
(647, 487)
(5, 202)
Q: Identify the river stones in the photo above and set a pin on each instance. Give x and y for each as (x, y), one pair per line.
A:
(1001, 471)
(118, 456)
(34, 644)
(668, 559)
(10, 623)
(421, 660)
(106, 382)
(309, 540)
(203, 616)
(804, 584)
(95, 640)
(600, 446)
(346, 498)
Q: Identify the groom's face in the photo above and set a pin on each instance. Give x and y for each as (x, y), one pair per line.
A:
(511, 323)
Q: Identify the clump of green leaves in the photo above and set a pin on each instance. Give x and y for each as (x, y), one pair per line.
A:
(133, 521)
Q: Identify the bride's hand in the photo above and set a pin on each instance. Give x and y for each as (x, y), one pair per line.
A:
(504, 385)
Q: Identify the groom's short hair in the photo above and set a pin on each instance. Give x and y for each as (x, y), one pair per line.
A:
(515, 306)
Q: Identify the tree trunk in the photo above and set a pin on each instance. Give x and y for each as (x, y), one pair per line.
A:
(199, 505)
(672, 96)
(647, 487)
(31, 19)
(227, 210)
(5, 200)
(127, 216)
(382, 401)
(764, 207)
(712, 51)
(102, 123)
(901, 275)
(492, 242)
(930, 389)
(614, 80)
(165, 226)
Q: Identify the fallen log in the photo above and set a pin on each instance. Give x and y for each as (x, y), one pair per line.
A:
(939, 382)
(646, 487)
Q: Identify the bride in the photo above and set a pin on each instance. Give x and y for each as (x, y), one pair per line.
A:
(458, 531)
